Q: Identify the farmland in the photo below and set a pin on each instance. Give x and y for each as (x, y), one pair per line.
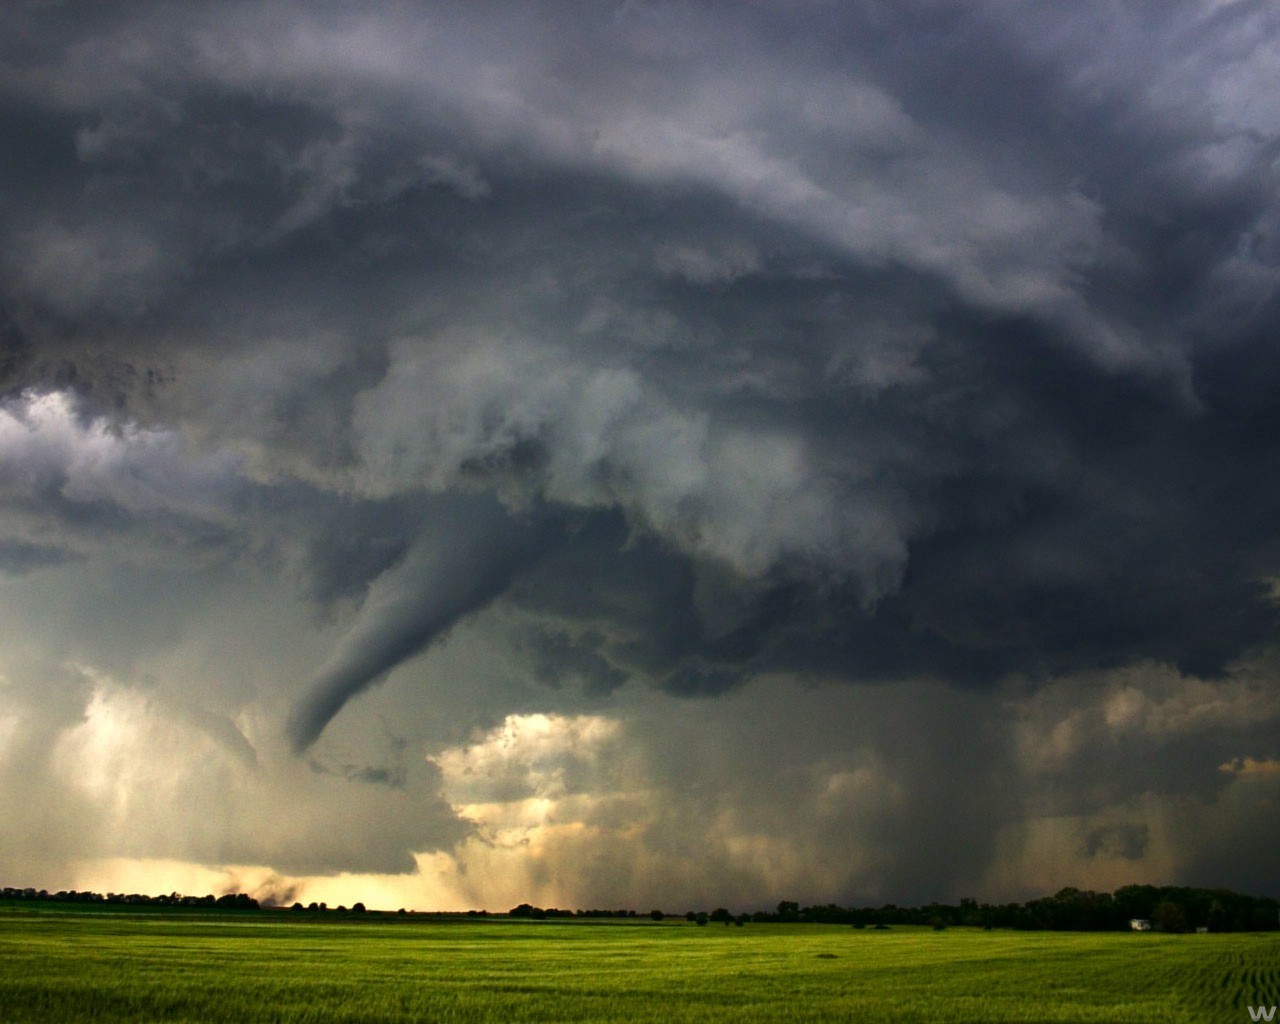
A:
(61, 965)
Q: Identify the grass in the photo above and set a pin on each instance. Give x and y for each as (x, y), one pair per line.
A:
(164, 966)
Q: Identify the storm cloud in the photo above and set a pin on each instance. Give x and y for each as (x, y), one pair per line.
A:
(640, 363)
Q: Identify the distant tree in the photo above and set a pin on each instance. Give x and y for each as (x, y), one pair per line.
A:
(657, 915)
(701, 919)
(1169, 917)
(1132, 901)
(232, 900)
(357, 908)
(1264, 918)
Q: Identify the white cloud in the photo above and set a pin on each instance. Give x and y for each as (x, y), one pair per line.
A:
(80, 482)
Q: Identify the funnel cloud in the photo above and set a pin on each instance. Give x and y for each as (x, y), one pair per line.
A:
(467, 560)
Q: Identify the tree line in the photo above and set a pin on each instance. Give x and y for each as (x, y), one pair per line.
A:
(227, 901)
(542, 913)
(1166, 908)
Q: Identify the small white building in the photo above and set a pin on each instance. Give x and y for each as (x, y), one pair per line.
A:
(1140, 924)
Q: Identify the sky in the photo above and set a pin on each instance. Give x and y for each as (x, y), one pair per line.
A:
(639, 454)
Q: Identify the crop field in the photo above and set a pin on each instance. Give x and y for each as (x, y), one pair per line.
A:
(108, 967)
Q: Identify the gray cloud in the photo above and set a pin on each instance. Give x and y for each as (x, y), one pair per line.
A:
(666, 348)
(1127, 841)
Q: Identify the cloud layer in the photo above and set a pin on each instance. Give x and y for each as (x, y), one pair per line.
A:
(633, 363)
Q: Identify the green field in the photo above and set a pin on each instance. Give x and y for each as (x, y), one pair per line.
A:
(79, 966)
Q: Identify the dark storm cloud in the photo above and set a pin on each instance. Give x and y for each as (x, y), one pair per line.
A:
(957, 354)
(829, 341)
(919, 343)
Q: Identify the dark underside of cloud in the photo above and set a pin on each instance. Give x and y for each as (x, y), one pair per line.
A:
(843, 343)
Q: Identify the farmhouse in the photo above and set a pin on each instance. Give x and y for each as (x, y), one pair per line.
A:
(1140, 924)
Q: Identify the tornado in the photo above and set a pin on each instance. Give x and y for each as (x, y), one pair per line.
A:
(464, 560)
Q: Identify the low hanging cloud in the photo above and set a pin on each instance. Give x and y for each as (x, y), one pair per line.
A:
(574, 354)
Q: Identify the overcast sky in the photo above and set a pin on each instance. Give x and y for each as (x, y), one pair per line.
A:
(639, 454)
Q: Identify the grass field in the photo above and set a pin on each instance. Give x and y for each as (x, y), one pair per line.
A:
(108, 967)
